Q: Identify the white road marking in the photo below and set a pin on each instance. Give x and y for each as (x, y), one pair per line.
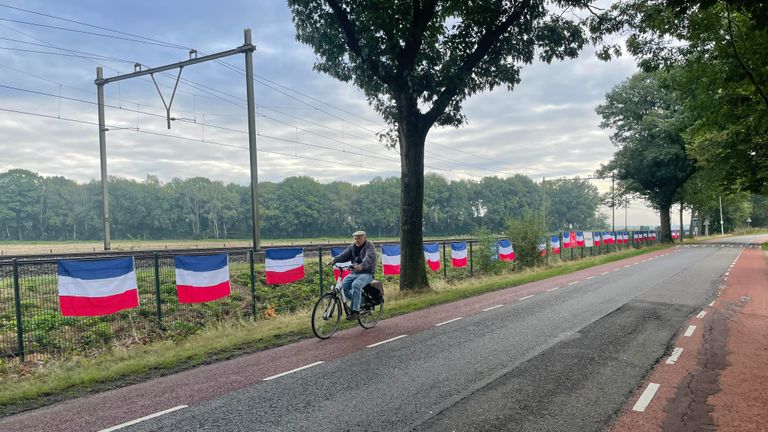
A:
(385, 341)
(138, 420)
(449, 321)
(725, 278)
(492, 308)
(727, 273)
(553, 289)
(689, 331)
(573, 283)
(292, 371)
(646, 397)
(712, 304)
(591, 277)
(701, 314)
(603, 273)
(675, 356)
(626, 265)
(527, 297)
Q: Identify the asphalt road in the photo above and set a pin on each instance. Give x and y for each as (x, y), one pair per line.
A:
(562, 360)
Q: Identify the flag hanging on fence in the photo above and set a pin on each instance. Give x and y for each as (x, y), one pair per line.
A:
(96, 287)
(566, 240)
(608, 238)
(543, 247)
(459, 254)
(432, 255)
(390, 259)
(580, 238)
(555, 244)
(506, 252)
(589, 239)
(597, 238)
(284, 265)
(337, 271)
(202, 278)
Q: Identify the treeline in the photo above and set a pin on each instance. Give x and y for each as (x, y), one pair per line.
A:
(33, 207)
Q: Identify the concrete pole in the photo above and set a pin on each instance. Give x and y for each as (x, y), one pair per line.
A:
(103, 156)
(252, 143)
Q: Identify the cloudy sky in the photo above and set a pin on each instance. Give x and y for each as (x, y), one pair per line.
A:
(308, 124)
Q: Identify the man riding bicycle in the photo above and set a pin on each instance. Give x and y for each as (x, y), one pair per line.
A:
(362, 255)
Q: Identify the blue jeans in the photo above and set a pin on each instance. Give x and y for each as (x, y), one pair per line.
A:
(353, 286)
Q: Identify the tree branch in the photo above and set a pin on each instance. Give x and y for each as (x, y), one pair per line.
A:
(484, 45)
(744, 66)
(419, 22)
(353, 43)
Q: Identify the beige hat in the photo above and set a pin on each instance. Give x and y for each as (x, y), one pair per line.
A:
(358, 233)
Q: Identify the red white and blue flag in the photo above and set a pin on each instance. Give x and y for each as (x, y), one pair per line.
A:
(390, 259)
(506, 253)
(597, 238)
(566, 240)
(580, 238)
(284, 265)
(543, 247)
(555, 244)
(97, 287)
(432, 255)
(202, 278)
(459, 254)
(608, 238)
(337, 268)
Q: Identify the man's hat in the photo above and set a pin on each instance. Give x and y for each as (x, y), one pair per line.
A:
(358, 233)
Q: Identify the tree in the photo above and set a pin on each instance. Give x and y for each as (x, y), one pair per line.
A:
(20, 201)
(417, 61)
(651, 160)
(571, 202)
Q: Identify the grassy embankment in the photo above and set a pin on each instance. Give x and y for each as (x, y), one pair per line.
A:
(24, 388)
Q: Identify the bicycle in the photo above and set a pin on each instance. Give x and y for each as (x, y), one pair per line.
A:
(326, 314)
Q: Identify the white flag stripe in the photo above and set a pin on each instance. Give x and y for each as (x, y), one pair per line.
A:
(432, 256)
(459, 254)
(284, 265)
(389, 259)
(505, 250)
(202, 279)
(69, 286)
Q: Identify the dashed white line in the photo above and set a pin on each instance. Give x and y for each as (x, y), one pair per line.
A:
(646, 397)
(385, 341)
(712, 304)
(603, 273)
(725, 278)
(492, 308)
(727, 273)
(689, 331)
(573, 283)
(527, 297)
(554, 289)
(133, 422)
(292, 371)
(701, 314)
(675, 356)
(591, 277)
(626, 265)
(449, 321)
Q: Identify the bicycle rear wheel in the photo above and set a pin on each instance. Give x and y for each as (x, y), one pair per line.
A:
(371, 318)
(326, 316)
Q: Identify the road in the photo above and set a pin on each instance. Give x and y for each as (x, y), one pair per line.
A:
(563, 354)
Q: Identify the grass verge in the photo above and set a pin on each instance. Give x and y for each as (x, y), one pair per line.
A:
(79, 376)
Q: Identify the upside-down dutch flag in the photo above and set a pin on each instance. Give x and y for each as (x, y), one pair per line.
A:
(579, 238)
(597, 238)
(432, 255)
(202, 278)
(390, 259)
(459, 254)
(506, 252)
(284, 265)
(555, 244)
(337, 268)
(608, 238)
(566, 240)
(97, 287)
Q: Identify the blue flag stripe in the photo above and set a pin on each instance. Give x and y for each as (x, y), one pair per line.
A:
(336, 251)
(390, 250)
(200, 263)
(283, 253)
(460, 246)
(431, 247)
(95, 269)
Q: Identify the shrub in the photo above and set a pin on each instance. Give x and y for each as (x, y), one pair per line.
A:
(526, 233)
(485, 257)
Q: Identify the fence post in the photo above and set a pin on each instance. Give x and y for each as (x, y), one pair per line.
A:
(17, 303)
(157, 290)
(471, 263)
(320, 266)
(253, 282)
(445, 263)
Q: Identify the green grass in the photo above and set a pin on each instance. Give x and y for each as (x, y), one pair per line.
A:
(22, 389)
(765, 246)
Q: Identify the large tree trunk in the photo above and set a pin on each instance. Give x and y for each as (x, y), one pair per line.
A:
(412, 136)
(665, 236)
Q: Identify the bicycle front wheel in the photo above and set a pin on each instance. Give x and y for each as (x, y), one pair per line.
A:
(326, 316)
(370, 318)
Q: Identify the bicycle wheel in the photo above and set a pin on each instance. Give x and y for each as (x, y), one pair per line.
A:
(370, 318)
(326, 316)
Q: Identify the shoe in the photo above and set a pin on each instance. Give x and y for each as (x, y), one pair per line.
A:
(353, 315)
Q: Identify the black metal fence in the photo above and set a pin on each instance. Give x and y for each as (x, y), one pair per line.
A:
(32, 326)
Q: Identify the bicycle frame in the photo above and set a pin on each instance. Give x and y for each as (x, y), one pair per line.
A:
(339, 293)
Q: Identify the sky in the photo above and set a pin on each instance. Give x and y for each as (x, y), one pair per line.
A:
(307, 123)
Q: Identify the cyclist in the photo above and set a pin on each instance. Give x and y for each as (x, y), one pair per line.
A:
(362, 254)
